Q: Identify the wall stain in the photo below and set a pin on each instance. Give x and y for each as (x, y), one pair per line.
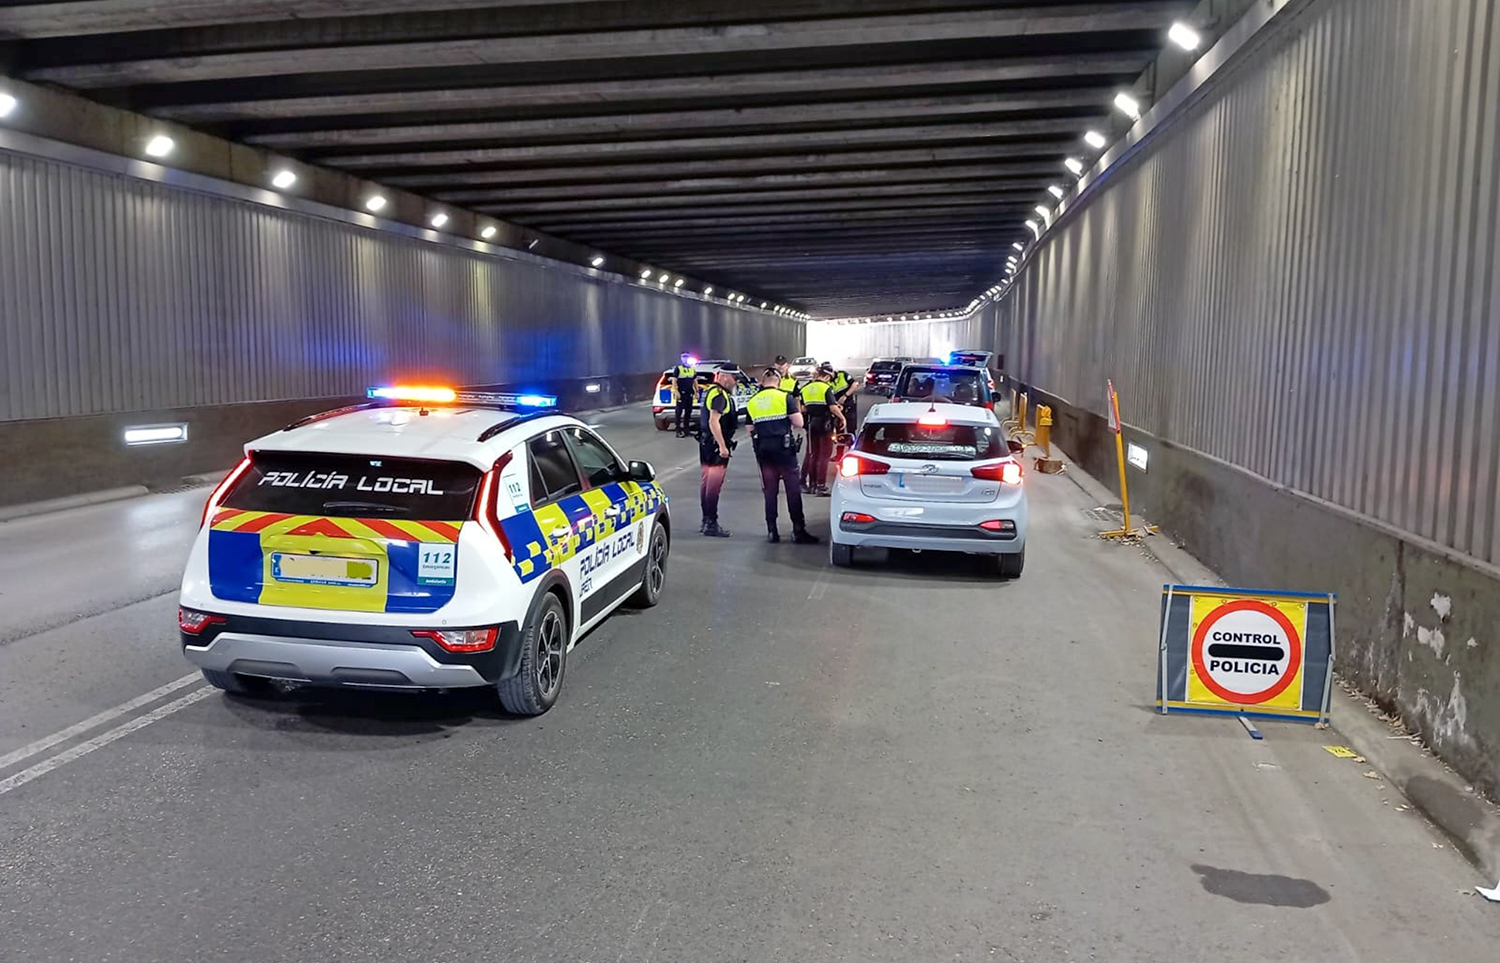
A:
(1265, 890)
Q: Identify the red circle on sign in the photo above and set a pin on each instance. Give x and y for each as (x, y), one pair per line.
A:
(1294, 662)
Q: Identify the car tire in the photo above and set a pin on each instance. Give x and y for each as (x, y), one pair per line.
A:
(842, 556)
(654, 579)
(544, 659)
(1009, 566)
(661, 425)
(233, 684)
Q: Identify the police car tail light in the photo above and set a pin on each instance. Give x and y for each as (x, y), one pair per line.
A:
(487, 505)
(193, 623)
(853, 465)
(217, 496)
(1009, 472)
(932, 419)
(461, 640)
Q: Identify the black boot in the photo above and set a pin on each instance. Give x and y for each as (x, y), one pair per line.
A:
(802, 536)
(712, 530)
(773, 536)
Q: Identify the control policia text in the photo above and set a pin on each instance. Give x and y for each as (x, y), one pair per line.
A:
(1252, 653)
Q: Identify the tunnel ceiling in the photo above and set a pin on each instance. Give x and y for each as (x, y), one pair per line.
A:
(845, 156)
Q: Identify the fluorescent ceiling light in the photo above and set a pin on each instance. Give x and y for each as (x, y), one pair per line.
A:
(1035, 228)
(375, 203)
(489, 232)
(708, 290)
(646, 274)
(160, 146)
(596, 260)
(1074, 165)
(1128, 105)
(1019, 246)
(1055, 191)
(438, 219)
(7, 104)
(1184, 36)
(283, 180)
(763, 305)
(1095, 140)
(678, 283)
(1042, 211)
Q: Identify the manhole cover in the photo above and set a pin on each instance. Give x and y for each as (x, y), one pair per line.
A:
(1105, 515)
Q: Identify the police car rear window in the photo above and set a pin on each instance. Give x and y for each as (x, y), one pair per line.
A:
(945, 442)
(958, 385)
(887, 366)
(356, 486)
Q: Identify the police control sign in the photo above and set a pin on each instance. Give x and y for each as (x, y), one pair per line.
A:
(1245, 652)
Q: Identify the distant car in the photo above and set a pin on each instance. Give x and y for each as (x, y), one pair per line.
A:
(931, 477)
(431, 539)
(803, 369)
(664, 404)
(950, 384)
(880, 377)
(975, 359)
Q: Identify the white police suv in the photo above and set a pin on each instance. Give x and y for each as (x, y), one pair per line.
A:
(432, 538)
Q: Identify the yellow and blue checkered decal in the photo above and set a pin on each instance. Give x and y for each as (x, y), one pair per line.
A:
(536, 538)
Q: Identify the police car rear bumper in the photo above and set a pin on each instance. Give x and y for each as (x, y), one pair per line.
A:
(356, 656)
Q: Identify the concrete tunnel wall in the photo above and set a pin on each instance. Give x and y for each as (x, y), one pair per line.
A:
(127, 301)
(1295, 286)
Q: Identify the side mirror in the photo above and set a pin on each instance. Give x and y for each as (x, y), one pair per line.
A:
(642, 471)
(1016, 447)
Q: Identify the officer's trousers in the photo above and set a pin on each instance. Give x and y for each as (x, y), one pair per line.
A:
(780, 470)
(815, 465)
(684, 412)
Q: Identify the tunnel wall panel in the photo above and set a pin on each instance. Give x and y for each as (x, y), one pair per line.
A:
(1293, 284)
(858, 343)
(120, 294)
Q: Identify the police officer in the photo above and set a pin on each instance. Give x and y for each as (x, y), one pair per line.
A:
(844, 394)
(784, 367)
(773, 415)
(716, 425)
(686, 376)
(824, 416)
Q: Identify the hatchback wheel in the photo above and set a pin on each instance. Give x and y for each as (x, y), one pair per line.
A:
(544, 658)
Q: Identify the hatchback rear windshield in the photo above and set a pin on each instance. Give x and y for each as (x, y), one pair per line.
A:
(960, 386)
(886, 366)
(976, 359)
(355, 486)
(946, 442)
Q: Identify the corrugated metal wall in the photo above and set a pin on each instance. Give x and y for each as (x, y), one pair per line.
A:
(845, 343)
(1302, 277)
(118, 294)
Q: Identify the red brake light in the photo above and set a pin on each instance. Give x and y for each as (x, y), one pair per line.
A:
(932, 420)
(193, 623)
(998, 525)
(461, 640)
(856, 518)
(486, 507)
(855, 465)
(1009, 472)
(222, 489)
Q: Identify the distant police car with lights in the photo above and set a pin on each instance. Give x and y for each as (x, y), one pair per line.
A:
(931, 477)
(429, 539)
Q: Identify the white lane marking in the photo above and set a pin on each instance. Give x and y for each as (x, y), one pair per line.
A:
(102, 739)
(820, 587)
(63, 735)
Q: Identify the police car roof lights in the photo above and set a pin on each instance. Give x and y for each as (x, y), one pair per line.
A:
(435, 395)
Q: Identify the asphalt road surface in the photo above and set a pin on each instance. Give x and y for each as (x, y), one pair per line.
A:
(906, 761)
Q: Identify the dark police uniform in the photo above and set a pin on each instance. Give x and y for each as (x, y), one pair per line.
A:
(770, 411)
(817, 396)
(686, 387)
(844, 397)
(712, 465)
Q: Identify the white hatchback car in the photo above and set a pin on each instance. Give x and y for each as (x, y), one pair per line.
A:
(931, 477)
(428, 539)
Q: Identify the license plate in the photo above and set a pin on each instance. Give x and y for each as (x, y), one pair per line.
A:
(324, 569)
(929, 484)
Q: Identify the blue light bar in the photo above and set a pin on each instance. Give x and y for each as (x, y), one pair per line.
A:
(506, 399)
(537, 401)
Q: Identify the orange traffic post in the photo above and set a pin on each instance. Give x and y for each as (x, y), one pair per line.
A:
(1113, 401)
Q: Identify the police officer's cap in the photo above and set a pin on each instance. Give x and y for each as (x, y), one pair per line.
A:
(781, 359)
(826, 368)
(770, 373)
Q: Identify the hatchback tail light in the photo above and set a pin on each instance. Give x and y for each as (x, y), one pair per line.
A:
(856, 518)
(222, 489)
(853, 465)
(193, 623)
(1009, 472)
(487, 505)
(461, 640)
(999, 525)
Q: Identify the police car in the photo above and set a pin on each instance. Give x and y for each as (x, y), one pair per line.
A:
(430, 538)
(664, 404)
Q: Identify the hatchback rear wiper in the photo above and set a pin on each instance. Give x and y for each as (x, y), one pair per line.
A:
(367, 506)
